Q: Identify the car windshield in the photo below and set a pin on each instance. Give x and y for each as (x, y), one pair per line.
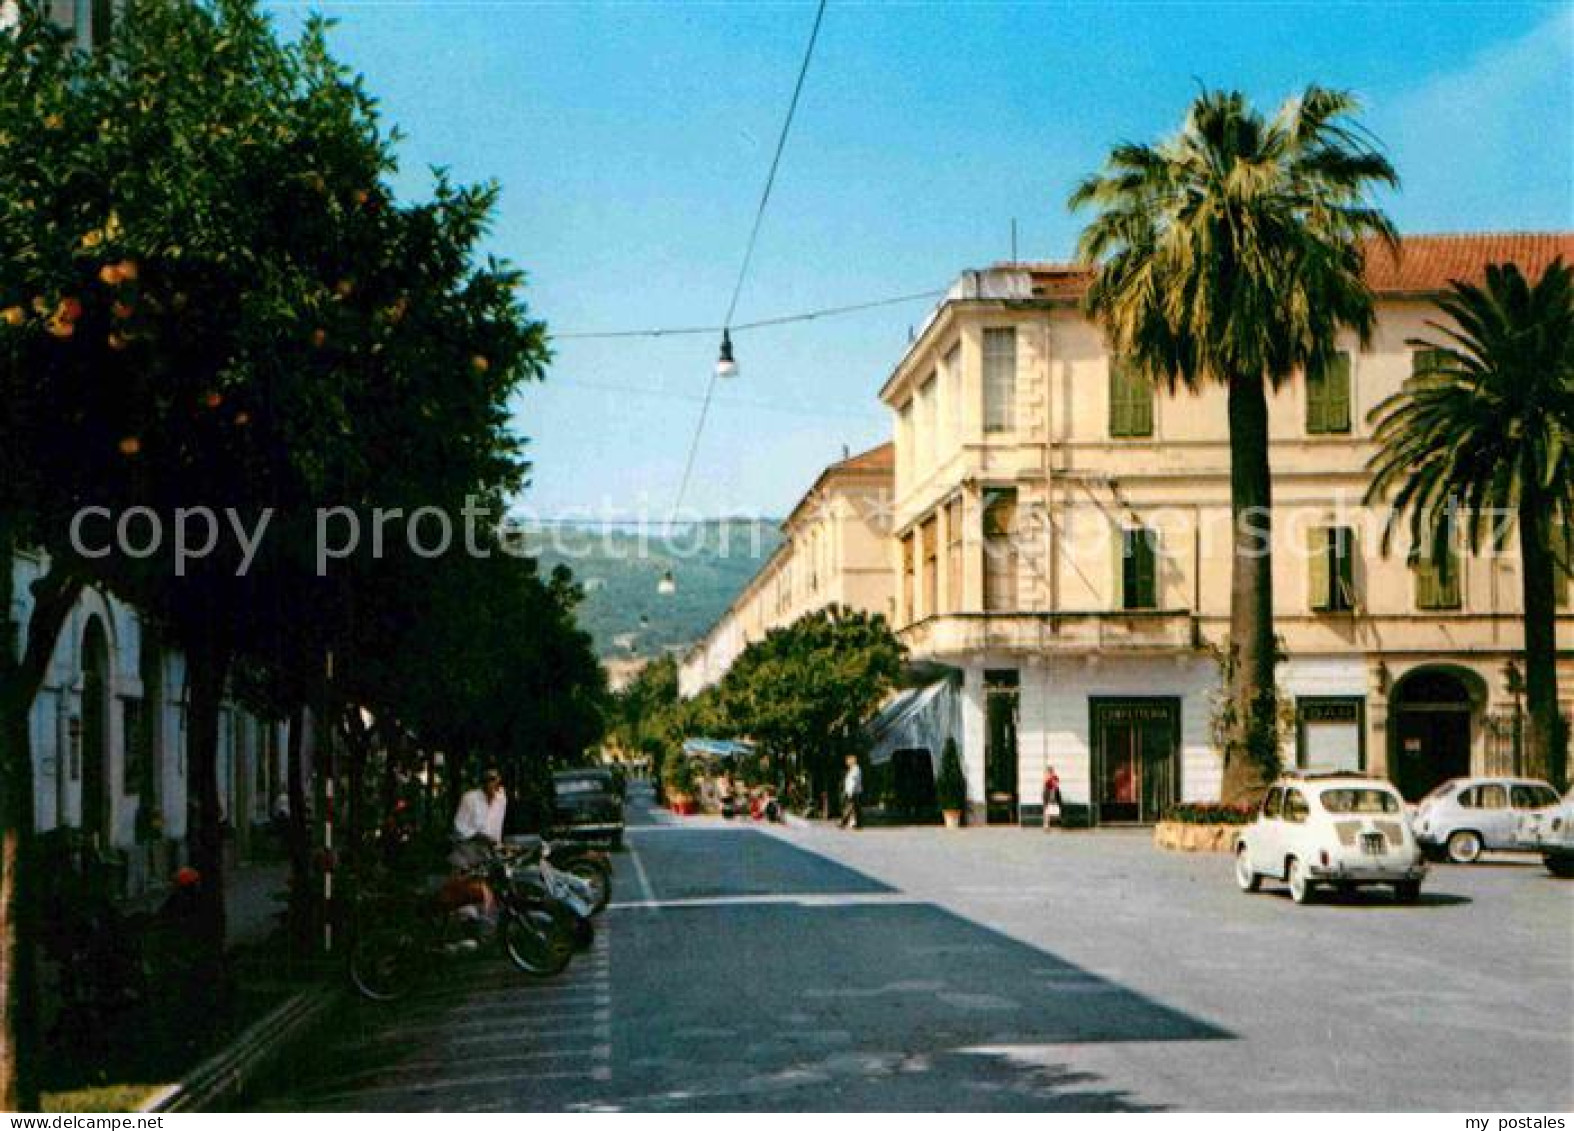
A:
(1360, 801)
(579, 785)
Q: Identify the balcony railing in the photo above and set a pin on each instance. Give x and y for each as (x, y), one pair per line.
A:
(948, 634)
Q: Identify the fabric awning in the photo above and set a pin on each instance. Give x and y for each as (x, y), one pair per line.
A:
(920, 718)
(716, 748)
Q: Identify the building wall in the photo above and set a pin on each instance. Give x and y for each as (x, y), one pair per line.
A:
(1078, 487)
(835, 552)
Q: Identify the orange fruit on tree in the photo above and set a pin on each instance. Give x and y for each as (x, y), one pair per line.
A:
(130, 446)
(13, 315)
(213, 399)
(480, 364)
(109, 274)
(118, 342)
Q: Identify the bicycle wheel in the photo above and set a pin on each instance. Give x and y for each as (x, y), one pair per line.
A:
(538, 939)
(384, 960)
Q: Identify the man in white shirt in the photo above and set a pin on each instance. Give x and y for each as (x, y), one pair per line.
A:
(852, 793)
(478, 824)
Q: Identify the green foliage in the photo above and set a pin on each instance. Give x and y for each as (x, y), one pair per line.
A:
(1210, 813)
(804, 692)
(951, 784)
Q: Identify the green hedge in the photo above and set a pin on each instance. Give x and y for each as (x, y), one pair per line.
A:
(1210, 813)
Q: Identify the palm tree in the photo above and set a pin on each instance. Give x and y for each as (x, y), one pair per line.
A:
(1482, 431)
(1233, 254)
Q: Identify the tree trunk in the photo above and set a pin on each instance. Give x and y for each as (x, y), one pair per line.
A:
(298, 833)
(20, 678)
(1251, 756)
(1545, 744)
(207, 667)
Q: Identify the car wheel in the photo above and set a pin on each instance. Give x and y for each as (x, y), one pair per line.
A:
(1408, 892)
(1247, 879)
(1464, 847)
(1560, 866)
(1300, 886)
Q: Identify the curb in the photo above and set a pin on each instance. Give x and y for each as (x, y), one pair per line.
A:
(225, 1074)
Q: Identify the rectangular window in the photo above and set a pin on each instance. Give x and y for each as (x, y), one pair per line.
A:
(1139, 558)
(1330, 733)
(904, 447)
(930, 536)
(1424, 360)
(135, 758)
(1000, 380)
(1130, 401)
(924, 420)
(951, 390)
(1437, 582)
(1332, 558)
(1000, 550)
(954, 540)
(908, 550)
(1328, 397)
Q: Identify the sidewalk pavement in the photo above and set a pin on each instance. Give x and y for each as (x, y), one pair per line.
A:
(254, 899)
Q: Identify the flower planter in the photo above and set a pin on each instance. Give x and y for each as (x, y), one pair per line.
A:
(953, 818)
(681, 806)
(1178, 836)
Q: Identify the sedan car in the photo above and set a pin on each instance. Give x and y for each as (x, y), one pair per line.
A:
(1337, 830)
(1466, 816)
(587, 804)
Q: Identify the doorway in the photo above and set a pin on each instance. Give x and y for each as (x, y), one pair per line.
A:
(1136, 759)
(1432, 712)
(1002, 708)
(95, 733)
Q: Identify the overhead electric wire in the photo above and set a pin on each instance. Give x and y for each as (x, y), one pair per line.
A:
(748, 254)
(759, 324)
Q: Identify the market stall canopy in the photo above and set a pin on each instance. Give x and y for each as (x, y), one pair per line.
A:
(716, 748)
(920, 718)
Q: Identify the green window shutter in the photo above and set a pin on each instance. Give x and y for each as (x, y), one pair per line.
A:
(1148, 569)
(1346, 573)
(1316, 402)
(1336, 388)
(1130, 401)
(1317, 555)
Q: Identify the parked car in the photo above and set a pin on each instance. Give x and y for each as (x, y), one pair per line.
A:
(587, 803)
(1551, 832)
(1464, 817)
(1337, 830)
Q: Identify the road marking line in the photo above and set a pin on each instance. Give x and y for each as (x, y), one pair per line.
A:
(641, 875)
(848, 899)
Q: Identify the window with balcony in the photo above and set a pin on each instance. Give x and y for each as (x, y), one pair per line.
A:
(1000, 550)
(1000, 380)
(1328, 397)
(1130, 401)
(954, 541)
(1137, 575)
(1331, 556)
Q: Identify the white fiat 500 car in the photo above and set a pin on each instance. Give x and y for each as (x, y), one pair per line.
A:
(1465, 816)
(1337, 830)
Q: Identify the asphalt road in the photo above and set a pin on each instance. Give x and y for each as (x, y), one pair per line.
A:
(792, 969)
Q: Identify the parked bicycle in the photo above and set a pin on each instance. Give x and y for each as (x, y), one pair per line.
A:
(399, 938)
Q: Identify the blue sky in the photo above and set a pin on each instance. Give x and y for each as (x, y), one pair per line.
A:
(631, 141)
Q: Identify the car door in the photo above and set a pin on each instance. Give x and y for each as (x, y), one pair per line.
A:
(1495, 816)
(1526, 798)
(1296, 826)
(1266, 835)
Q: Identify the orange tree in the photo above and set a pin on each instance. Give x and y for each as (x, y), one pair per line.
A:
(209, 300)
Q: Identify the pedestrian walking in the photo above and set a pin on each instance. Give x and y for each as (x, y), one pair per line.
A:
(852, 794)
(1051, 798)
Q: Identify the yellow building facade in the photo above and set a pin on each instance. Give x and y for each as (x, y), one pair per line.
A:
(1062, 537)
(835, 551)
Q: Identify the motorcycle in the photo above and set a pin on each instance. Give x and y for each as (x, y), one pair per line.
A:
(398, 938)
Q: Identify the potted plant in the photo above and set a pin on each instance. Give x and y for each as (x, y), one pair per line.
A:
(951, 785)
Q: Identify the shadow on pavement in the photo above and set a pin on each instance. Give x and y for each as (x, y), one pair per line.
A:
(701, 863)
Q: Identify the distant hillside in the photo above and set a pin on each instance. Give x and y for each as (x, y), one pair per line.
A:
(620, 568)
